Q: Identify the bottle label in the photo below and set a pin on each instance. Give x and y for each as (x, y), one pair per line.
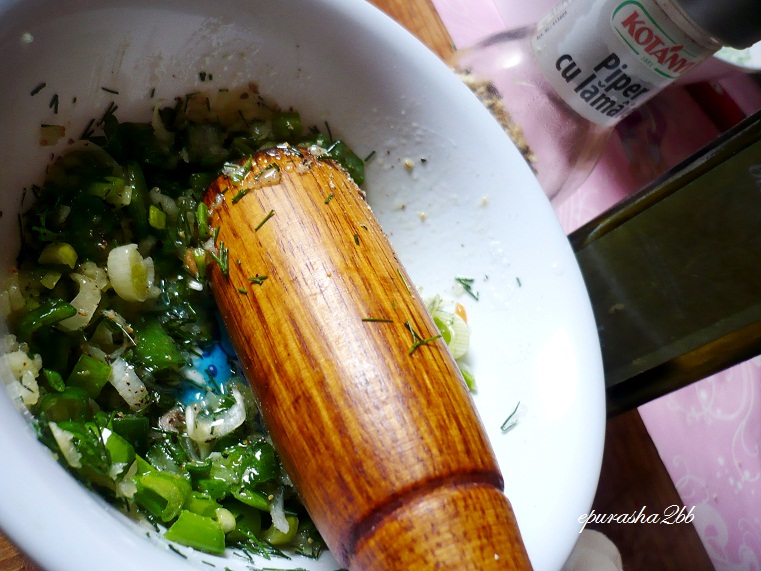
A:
(607, 57)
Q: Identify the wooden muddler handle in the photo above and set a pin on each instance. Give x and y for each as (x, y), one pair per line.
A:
(376, 428)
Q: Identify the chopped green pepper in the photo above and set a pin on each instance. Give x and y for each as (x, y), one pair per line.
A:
(156, 349)
(70, 404)
(89, 374)
(197, 531)
(54, 380)
(286, 126)
(252, 498)
(137, 209)
(163, 494)
(274, 536)
(344, 156)
(49, 312)
(156, 217)
(202, 504)
(133, 428)
(58, 253)
(248, 522)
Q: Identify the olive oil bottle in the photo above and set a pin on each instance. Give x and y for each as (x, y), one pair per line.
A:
(674, 272)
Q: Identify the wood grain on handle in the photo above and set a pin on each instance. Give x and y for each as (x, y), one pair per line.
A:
(382, 441)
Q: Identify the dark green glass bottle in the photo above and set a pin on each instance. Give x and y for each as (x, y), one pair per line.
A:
(674, 272)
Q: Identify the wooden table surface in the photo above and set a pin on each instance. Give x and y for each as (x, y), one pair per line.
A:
(632, 474)
(418, 16)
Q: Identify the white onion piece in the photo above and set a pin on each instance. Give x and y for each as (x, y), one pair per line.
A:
(202, 427)
(226, 519)
(12, 296)
(126, 487)
(164, 136)
(166, 203)
(131, 275)
(95, 272)
(277, 511)
(457, 328)
(460, 332)
(64, 440)
(128, 384)
(85, 302)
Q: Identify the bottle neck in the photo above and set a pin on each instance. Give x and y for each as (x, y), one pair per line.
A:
(605, 58)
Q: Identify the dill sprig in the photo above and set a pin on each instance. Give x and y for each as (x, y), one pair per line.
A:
(270, 214)
(467, 285)
(511, 420)
(417, 339)
(37, 89)
(222, 259)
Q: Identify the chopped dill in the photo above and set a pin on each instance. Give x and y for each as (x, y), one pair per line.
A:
(467, 285)
(269, 167)
(257, 279)
(511, 420)
(110, 110)
(356, 239)
(37, 89)
(518, 281)
(243, 290)
(88, 130)
(239, 195)
(370, 156)
(54, 103)
(177, 551)
(329, 198)
(223, 259)
(270, 214)
(417, 339)
(404, 281)
(109, 90)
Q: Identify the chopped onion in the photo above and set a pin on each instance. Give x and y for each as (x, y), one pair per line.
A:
(95, 272)
(167, 203)
(226, 519)
(460, 332)
(277, 511)
(457, 334)
(205, 427)
(64, 440)
(85, 302)
(126, 487)
(11, 296)
(164, 136)
(131, 275)
(128, 384)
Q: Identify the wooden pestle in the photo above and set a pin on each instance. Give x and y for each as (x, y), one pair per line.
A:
(373, 422)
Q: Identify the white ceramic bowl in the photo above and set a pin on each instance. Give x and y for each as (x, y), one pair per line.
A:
(472, 208)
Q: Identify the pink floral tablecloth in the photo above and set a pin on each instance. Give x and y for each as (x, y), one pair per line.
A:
(720, 477)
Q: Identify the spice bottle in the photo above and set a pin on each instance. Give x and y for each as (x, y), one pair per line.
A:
(561, 86)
